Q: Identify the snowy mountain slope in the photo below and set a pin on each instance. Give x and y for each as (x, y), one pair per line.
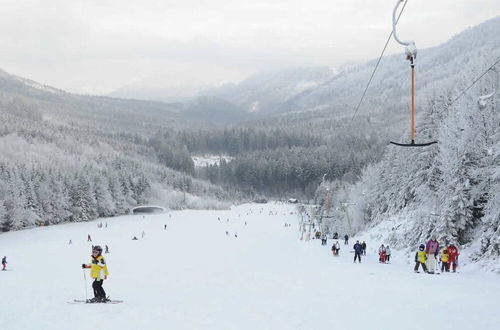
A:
(193, 276)
(264, 92)
(94, 111)
(73, 158)
(436, 68)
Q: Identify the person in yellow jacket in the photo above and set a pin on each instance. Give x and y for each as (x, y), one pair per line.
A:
(420, 258)
(445, 258)
(99, 272)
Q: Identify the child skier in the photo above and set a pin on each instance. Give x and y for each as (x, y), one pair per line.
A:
(99, 272)
(381, 253)
(420, 258)
(453, 257)
(445, 257)
(4, 263)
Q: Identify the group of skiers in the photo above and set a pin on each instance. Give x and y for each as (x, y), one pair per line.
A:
(384, 253)
(336, 248)
(429, 255)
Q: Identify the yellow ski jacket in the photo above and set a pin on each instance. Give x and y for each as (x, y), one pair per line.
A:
(98, 268)
(420, 257)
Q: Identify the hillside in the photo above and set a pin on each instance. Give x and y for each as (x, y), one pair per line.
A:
(73, 158)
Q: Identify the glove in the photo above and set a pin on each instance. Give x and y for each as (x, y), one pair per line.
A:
(84, 266)
(95, 261)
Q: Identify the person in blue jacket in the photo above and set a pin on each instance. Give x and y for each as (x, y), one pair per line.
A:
(358, 250)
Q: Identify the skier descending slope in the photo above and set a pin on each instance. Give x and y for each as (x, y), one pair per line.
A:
(99, 272)
(4, 263)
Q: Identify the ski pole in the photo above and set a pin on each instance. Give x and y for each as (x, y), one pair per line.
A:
(85, 285)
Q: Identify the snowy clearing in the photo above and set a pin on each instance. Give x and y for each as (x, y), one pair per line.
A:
(193, 276)
(207, 160)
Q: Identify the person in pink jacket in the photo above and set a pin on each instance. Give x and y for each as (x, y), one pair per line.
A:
(432, 250)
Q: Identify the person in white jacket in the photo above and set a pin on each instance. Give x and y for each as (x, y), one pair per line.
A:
(387, 253)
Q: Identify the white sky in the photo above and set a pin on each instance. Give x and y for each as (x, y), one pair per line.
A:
(100, 45)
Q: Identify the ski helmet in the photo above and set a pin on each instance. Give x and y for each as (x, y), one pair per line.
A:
(422, 247)
(97, 248)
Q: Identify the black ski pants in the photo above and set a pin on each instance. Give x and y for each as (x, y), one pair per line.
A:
(418, 263)
(98, 290)
(357, 255)
(387, 257)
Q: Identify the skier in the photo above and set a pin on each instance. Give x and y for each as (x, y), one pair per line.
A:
(88, 238)
(323, 239)
(346, 239)
(364, 248)
(70, 242)
(381, 253)
(387, 253)
(134, 238)
(4, 263)
(165, 227)
(432, 250)
(445, 257)
(453, 261)
(106, 250)
(420, 259)
(99, 272)
(358, 249)
(143, 234)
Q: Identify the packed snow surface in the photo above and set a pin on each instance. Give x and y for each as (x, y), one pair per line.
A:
(194, 276)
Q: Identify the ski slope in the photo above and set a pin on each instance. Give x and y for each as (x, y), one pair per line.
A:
(193, 276)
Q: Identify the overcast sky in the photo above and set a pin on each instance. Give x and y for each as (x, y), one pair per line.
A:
(100, 45)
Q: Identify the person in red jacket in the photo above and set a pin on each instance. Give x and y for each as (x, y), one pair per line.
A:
(453, 258)
(381, 253)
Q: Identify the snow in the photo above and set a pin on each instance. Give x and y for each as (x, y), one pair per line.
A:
(193, 276)
(206, 160)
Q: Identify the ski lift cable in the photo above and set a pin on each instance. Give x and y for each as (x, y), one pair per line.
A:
(376, 65)
(475, 81)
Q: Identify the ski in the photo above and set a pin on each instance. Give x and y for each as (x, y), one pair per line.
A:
(82, 301)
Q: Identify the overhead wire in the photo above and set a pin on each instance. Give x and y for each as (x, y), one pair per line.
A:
(376, 66)
(475, 81)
